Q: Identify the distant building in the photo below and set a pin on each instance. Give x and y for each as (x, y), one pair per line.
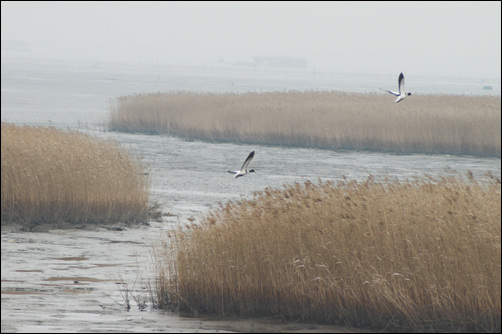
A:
(280, 61)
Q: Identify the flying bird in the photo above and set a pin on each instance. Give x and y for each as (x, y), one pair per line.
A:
(401, 94)
(243, 171)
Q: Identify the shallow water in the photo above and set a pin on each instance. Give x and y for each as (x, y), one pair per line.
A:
(76, 280)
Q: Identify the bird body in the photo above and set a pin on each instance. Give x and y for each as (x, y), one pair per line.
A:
(401, 94)
(243, 171)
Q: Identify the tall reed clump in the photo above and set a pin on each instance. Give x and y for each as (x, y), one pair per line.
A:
(420, 255)
(51, 176)
(447, 124)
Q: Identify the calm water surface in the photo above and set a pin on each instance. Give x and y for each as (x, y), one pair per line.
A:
(70, 280)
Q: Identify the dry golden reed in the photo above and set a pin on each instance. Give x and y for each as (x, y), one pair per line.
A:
(419, 255)
(51, 176)
(447, 124)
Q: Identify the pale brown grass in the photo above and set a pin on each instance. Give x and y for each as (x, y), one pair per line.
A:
(51, 176)
(420, 255)
(448, 124)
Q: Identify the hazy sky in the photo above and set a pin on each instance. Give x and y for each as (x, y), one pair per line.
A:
(420, 38)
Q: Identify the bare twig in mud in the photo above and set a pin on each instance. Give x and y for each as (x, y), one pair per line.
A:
(128, 295)
(125, 296)
(153, 301)
(132, 293)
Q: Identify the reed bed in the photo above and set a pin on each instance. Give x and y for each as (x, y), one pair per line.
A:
(446, 124)
(419, 255)
(51, 176)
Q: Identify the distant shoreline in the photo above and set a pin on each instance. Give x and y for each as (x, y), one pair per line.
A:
(292, 78)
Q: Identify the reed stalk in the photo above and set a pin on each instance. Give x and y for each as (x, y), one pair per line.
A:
(52, 176)
(431, 124)
(419, 255)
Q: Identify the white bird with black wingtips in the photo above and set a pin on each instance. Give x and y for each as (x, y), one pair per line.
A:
(243, 171)
(401, 94)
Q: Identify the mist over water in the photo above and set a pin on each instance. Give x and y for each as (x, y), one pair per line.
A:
(66, 93)
(192, 175)
(185, 174)
(188, 178)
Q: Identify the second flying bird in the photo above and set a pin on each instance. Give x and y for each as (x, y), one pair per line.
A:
(243, 171)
